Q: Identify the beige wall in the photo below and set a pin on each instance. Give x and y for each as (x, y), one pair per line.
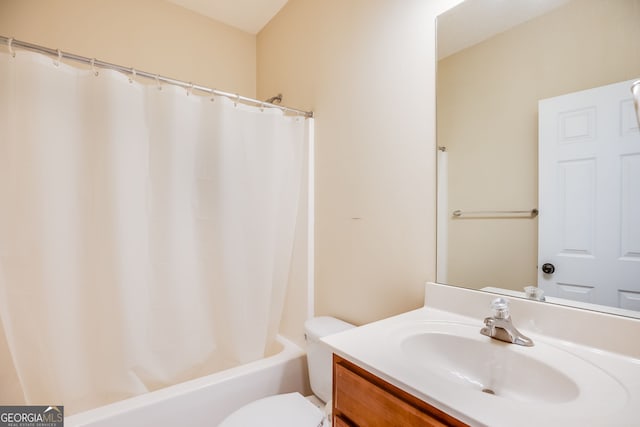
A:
(487, 118)
(150, 35)
(366, 68)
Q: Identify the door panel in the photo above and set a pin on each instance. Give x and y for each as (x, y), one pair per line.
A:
(589, 191)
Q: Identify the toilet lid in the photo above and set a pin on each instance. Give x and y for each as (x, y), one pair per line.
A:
(282, 410)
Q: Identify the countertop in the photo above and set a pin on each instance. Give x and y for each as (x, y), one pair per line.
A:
(609, 394)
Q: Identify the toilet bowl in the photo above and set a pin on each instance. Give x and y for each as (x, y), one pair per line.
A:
(293, 409)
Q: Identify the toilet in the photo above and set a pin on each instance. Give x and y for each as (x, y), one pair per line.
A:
(293, 409)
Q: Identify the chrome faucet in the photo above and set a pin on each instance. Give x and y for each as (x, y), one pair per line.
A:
(499, 326)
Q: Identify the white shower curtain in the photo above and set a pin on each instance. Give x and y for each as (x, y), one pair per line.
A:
(145, 233)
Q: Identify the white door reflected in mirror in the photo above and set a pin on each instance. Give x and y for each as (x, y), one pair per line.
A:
(589, 226)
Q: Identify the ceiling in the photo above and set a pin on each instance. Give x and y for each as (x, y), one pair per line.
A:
(247, 15)
(467, 24)
(474, 21)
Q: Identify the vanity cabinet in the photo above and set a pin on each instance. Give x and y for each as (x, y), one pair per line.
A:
(363, 399)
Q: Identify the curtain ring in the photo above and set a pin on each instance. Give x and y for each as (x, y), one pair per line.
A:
(57, 62)
(235, 104)
(190, 89)
(9, 43)
(262, 107)
(213, 95)
(93, 67)
(158, 82)
(133, 75)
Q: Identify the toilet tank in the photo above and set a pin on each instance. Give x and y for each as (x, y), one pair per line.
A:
(319, 355)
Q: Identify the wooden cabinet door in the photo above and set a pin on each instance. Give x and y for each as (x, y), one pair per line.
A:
(339, 422)
(362, 399)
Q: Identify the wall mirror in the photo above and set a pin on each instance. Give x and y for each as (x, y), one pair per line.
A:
(497, 60)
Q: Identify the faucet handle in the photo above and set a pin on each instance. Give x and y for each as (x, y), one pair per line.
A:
(500, 307)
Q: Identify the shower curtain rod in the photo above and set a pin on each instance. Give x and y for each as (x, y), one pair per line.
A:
(10, 42)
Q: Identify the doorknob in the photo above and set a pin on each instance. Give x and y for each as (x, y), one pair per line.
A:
(548, 268)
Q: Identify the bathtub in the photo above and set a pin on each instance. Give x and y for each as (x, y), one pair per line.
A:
(206, 401)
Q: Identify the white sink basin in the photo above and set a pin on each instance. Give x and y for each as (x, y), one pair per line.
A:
(456, 354)
(489, 367)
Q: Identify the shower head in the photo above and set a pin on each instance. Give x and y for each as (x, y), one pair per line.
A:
(275, 99)
(635, 90)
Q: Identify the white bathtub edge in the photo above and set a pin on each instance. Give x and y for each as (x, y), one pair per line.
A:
(101, 415)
